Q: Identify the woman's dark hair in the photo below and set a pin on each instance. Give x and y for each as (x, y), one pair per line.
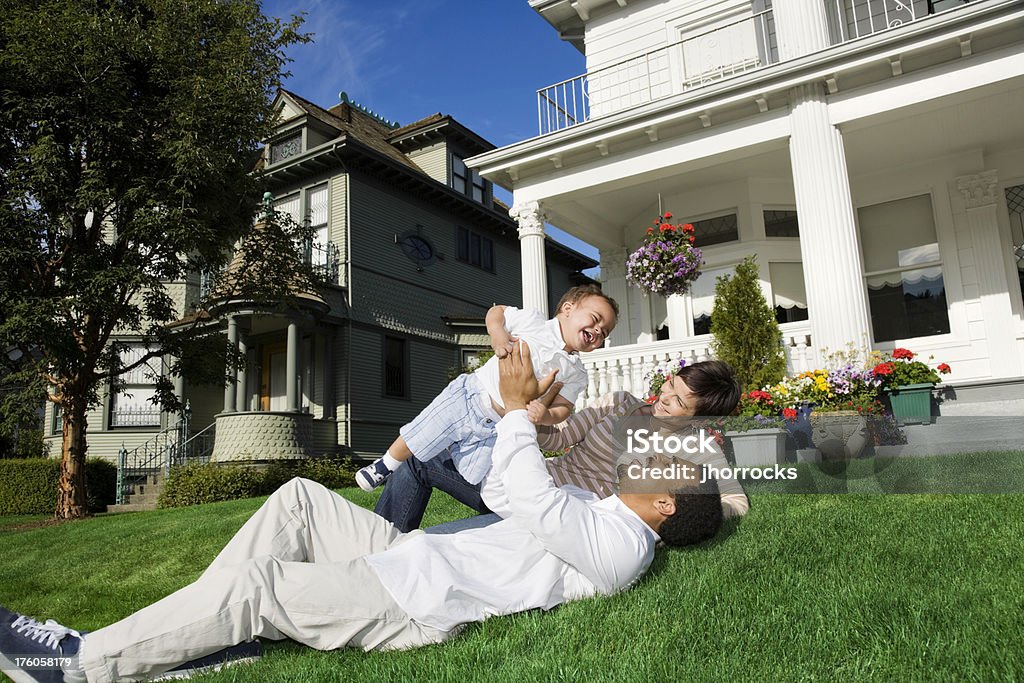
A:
(698, 515)
(714, 384)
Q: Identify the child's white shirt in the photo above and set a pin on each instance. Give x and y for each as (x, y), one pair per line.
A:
(547, 351)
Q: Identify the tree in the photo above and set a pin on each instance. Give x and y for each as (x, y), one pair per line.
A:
(128, 135)
(744, 330)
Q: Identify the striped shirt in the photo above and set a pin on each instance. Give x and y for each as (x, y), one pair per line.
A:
(593, 451)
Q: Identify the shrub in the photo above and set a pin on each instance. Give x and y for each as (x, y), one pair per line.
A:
(195, 484)
(746, 334)
(29, 486)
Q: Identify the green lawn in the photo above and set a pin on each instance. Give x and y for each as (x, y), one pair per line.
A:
(806, 587)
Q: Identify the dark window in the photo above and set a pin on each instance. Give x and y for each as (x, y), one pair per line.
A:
(702, 325)
(903, 269)
(716, 230)
(474, 249)
(396, 375)
(468, 182)
(781, 224)
(459, 173)
(57, 426)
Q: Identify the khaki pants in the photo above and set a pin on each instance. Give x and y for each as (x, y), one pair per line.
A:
(294, 570)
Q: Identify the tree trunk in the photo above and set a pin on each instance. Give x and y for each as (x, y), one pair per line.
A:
(71, 491)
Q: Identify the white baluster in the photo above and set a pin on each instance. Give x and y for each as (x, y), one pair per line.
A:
(800, 363)
(602, 378)
(614, 380)
(628, 373)
(646, 368)
(591, 393)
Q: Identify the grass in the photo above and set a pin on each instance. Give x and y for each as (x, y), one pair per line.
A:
(806, 587)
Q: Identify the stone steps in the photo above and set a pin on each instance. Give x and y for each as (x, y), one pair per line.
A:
(144, 496)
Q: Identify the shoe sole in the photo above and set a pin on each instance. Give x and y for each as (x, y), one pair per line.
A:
(364, 484)
(185, 675)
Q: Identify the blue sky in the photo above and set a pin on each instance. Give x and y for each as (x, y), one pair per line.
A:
(480, 61)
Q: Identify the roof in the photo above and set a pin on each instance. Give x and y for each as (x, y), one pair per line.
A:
(354, 122)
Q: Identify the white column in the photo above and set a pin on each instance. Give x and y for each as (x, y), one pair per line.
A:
(980, 196)
(231, 389)
(242, 399)
(678, 314)
(613, 283)
(292, 368)
(800, 27)
(833, 272)
(531, 247)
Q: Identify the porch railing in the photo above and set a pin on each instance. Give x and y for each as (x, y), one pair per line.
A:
(715, 55)
(627, 368)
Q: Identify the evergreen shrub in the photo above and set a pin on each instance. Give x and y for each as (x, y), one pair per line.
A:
(196, 483)
(744, 330)
(28, 486)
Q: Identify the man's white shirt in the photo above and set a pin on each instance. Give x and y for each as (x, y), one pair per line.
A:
(556, 545)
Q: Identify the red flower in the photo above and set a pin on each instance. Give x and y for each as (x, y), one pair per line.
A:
(668, 214)
(691, 240)
(687, 227)
(902, 354)
(944, 368)
(884, 369)
(789, 413)
(650, 231)
(651, 399)
(758, 395)
(667, 227)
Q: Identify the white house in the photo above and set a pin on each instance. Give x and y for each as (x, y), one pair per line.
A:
(870, 152)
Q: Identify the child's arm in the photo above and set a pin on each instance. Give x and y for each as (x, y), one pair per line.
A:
(501, 340)
(559, 411)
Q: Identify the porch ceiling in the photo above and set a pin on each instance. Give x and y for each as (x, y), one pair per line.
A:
(598, 214)
(983, 121)
(991, 121)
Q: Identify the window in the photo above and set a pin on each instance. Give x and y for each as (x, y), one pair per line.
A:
(903, 269)
(396, 365)
(468, 181)
(289, 206)
(284, 149)
(132, 406)
(702, 298)
(316, 200)
(1015, 205)
(716, 231)
(781, 224)
(459, 174)
(788, 292)
(57, 425)
(474, 249)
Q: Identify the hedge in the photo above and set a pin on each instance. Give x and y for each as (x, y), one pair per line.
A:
(28, 486)
(209, 483)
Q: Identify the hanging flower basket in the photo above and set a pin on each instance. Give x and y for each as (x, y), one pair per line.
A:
(667, 262)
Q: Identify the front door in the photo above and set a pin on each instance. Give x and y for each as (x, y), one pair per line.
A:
(273, 382)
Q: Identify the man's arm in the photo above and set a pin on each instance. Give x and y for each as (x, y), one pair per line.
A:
(607, 550)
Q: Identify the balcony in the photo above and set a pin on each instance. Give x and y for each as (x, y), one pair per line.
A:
(324, 259)
(712, 56)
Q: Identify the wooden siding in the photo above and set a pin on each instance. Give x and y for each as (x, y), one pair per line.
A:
(433, 159)
(338, 224)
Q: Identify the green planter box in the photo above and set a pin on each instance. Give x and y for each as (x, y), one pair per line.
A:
(912, 403)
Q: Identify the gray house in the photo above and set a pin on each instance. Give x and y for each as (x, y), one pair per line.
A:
(415, 248)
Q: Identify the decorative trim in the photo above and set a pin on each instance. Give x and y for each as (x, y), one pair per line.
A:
(529, 217)
(979, 190)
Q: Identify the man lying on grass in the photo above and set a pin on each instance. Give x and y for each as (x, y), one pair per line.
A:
(313, 567)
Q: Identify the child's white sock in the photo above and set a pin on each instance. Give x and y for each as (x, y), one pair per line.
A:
(390, 462)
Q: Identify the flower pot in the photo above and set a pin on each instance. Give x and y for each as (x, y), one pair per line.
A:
(840, 434)
(912, 403)
(759, 447)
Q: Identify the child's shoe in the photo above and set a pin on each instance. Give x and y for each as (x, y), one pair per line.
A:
(373, 475)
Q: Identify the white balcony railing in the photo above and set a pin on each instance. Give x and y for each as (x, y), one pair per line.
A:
(626, 368)
(715, 55)
(694, 62)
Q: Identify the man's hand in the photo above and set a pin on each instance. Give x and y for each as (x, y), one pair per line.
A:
(517, 382)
